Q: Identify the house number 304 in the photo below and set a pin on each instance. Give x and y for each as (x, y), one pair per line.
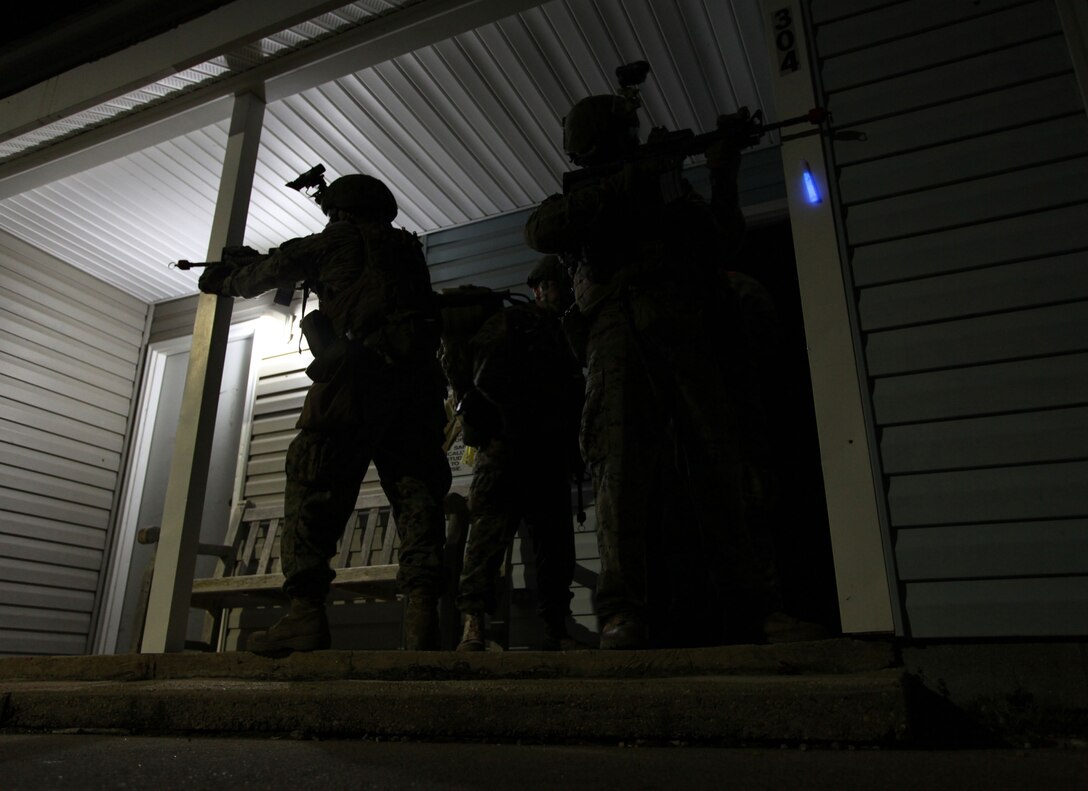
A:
(785, 42)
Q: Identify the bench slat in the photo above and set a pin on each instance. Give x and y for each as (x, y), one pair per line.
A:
(346, 541)
(386, 555)
(265, 563)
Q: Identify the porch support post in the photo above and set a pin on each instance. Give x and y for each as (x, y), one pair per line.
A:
(175, 558)
(851, 486)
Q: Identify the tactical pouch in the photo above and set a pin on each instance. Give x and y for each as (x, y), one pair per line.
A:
(317, 329)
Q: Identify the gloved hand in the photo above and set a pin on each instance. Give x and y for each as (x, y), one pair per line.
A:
(239, 254)
(216, 279)
(737, 132)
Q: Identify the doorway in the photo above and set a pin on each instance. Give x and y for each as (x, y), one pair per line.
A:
(149, 470)
(802, 540)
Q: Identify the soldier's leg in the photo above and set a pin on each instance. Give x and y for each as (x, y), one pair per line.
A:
(415, 476)
(551, 528)
(493, 503)
(323, 477)
(324, 472)
(622, 437)
(710, 460)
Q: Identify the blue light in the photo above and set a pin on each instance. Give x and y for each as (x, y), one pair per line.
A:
(812, 192)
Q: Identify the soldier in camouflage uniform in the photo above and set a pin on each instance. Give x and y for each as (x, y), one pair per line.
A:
(377, 396)
(520, 405)
(648, 252)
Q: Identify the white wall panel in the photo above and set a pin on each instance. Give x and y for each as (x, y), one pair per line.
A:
(964, 226)
(71, 353)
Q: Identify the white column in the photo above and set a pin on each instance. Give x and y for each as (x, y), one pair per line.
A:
(175, 558)
(861, 571)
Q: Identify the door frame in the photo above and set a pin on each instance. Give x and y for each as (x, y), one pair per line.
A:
(120, 557)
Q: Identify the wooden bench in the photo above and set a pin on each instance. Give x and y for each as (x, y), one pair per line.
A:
(248, 569)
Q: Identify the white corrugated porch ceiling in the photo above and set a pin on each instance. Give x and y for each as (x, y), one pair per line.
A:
(457, 104)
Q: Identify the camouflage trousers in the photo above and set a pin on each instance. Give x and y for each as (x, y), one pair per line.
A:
(398, 424)
(514, 483)
(657, 427)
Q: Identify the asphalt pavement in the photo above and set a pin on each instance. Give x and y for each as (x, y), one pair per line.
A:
(90, 762)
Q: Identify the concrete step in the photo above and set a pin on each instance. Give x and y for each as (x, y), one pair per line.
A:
(843, 692)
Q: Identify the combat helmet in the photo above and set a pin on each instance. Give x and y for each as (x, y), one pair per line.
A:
(600, 129)
(550, 267)
(361, 195)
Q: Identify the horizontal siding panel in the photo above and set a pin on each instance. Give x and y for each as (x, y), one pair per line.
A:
(872, 21)
(516, 259)
(31, 526)
(286, 364)
(1034, 332)
(1007, 549)
(25, 572)
(104, 318)
(1020, 105)
(263, 485)
(32, 373)
(265, 465)
(50, 401)
(86, 370)
(60, 425)
(22, 501)
(1005, 440)
(39, 551)
(1015, 149)
(825, 11)
(175, 318)
(1036, 234)
(52, 598)
(287, 402)
(92, 497)
(272, 443)
(104, 369)
(999, 288)
(277, 385)
(992, 198)
(273, 425)
(58, 467)
(20, 435)
(951, 81)
(984, 390)
(16, 643)
(76, 326)
(917, 35)
(466, 241)
(1044, 491)
(42, 620)
(1051, 606)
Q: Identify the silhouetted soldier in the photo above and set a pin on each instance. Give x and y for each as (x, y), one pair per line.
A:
(648, 252)
(520, 405)
(377, 396)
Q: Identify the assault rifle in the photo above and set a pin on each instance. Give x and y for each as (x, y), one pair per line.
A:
(744, 128)
(283, 295)
(312, 184)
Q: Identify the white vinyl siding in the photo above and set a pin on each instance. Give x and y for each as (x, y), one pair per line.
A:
(70, 359)
(964, 224)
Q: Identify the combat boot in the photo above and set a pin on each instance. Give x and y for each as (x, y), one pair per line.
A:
(472, 639)
(624, 631)
(421, 621)
(305, 627)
